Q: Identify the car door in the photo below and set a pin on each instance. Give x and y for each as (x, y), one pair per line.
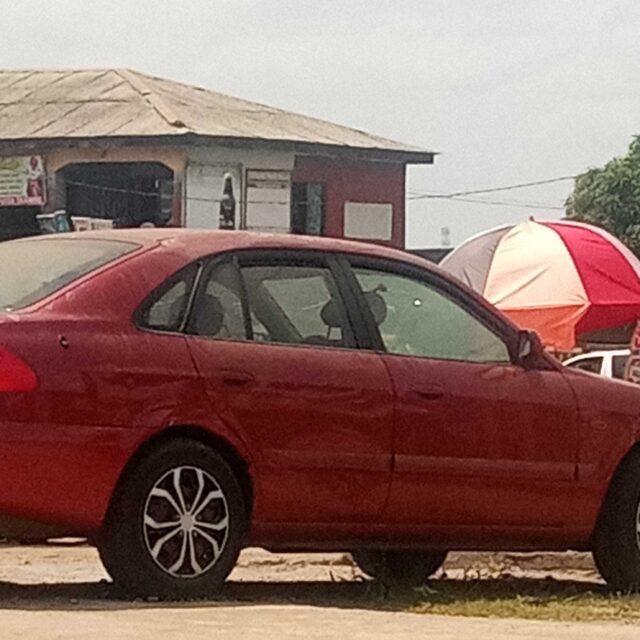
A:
(271, 336)
(478, 439)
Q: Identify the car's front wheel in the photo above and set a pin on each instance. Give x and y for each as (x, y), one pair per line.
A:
(176, 524)
(406, 567)
(616, 542)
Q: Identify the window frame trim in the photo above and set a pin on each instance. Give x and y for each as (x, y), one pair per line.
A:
(264, 257)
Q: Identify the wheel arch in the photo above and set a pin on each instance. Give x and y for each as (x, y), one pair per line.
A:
(632, 455)
(196, 433)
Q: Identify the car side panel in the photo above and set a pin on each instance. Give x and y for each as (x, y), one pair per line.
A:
(478, 444)
(610, 428)
(65, 445)
(317, 420)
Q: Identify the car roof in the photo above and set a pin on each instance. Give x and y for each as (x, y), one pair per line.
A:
(195, 243)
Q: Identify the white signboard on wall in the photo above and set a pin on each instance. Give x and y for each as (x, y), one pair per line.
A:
(368, 221)
(268, 196)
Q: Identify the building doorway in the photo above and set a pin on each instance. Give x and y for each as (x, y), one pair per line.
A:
(128, 194)
(307, 208)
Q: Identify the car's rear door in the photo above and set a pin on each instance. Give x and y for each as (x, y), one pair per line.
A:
(478, 440)
(272, 338)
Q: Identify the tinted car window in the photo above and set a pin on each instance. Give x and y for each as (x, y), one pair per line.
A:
(166, 309)
(297, 304)
(593, 365)
(37, 267)
(619, 366)
(415, 319)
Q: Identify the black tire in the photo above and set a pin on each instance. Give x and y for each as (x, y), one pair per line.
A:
(616, 541)
(131, 532)
(406, 567)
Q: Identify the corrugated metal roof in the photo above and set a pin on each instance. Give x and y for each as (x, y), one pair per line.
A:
(50, 104)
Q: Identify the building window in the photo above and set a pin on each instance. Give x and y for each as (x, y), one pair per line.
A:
(307, 208)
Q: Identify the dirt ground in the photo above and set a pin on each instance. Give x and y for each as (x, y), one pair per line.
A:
(61, 591)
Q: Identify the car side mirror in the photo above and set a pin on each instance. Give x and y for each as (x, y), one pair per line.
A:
(529, 348)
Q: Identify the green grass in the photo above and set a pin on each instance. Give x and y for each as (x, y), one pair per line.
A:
(505, 597)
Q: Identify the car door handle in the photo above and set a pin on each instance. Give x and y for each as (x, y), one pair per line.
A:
(430, 395)
(236, 378)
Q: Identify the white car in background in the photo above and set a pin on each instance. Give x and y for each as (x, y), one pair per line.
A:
(610, 364)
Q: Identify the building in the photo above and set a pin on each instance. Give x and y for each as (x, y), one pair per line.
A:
(125, 148)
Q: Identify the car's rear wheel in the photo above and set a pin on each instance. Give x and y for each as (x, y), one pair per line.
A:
(616, 543)
(176, 524)
(407, 567)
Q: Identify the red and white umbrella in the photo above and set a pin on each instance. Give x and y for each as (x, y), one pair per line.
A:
(559, 278)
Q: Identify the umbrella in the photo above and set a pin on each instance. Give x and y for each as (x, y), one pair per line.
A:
(559, 278)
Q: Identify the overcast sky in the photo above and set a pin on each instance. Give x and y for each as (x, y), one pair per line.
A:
(507, 91)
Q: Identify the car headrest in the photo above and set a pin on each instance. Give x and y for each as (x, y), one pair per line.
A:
(377, 306)
(331, 314)
(209, 316)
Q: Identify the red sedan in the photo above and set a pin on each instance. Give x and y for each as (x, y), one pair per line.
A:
(175, 395)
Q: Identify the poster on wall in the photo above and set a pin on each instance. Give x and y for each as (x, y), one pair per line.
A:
(22, 181)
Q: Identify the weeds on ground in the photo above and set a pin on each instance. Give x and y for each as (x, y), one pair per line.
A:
(505, 596)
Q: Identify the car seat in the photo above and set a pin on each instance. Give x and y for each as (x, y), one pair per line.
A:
(208, 317)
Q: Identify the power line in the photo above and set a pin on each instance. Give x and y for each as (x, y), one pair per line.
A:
(422, 196)
(513, 203)
(529, 203)
(98, 187)
(158, 194)
(525, 205)
(457, 196)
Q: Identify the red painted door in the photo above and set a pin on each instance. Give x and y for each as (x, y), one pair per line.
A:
(478, 440)
(315, 412)
(481, 444)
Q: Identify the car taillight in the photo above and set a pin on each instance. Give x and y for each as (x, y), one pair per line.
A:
(15, 374)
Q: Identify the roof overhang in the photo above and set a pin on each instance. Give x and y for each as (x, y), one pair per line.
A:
(370, 154)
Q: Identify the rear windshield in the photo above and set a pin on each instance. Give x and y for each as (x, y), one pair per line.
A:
(32, 269)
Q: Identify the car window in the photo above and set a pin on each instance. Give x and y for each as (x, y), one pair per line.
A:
(297, 305)
(593, 365)
(166, 308)
(34, 268)
(217, 311)
(619, 366)
(416, 319)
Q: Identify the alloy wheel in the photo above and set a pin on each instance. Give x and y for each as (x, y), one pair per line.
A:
(186, 522)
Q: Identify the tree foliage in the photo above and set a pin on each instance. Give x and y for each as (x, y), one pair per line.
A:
(609, 197)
